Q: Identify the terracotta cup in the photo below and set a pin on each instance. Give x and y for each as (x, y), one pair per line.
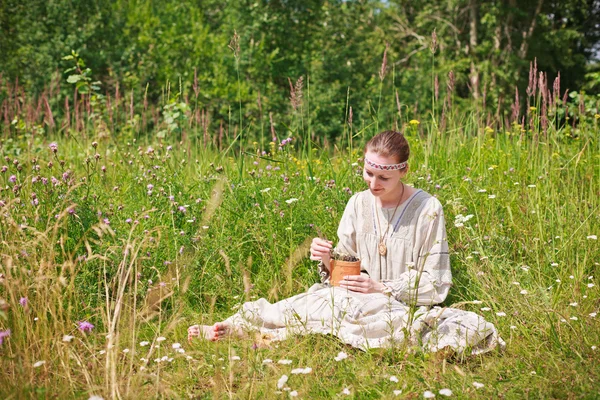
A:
(338, 269)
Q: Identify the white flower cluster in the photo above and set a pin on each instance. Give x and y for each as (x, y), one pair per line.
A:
(459, 220)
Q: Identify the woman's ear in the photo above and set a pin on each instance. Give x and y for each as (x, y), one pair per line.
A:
(404, 172)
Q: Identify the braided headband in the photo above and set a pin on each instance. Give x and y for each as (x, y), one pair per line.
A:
(385, 167)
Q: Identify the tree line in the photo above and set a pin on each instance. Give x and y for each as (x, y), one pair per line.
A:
(356, 59)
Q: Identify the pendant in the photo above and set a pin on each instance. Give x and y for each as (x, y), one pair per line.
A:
(382, 248)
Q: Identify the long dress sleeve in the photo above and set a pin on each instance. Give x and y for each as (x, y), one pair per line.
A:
(428, 278)
(346, 237)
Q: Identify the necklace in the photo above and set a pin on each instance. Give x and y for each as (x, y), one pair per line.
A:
(382, 247)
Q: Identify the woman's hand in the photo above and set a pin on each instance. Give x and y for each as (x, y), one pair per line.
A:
(320, 250)
(361, 284)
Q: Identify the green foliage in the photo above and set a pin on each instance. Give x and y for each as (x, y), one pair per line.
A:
(149, 49)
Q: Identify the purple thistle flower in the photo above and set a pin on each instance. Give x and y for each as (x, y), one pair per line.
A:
(150, 186)
(85, 326)
(53, 146)
(106, 221)
(182, 209)
(23, 301)
(4, 334)
(45, 181)
(128, 220)
(12, 179)
(4, 169)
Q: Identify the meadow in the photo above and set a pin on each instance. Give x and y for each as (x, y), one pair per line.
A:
(112, 246)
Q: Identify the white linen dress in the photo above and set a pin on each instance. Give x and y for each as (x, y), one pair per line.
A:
(415, 272)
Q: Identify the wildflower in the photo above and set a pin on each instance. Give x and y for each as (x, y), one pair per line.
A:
(523, 291)
(590, 285)
(4, 334)
(293, 393)
(125, 351)
(265, 190)
(128, 220)
(38, 364)
(554, 265)
(67, 338)
(485, 309)
(414, 122)
(446, 392)
(53, 146)
(284, 362)
(573, 318)
(501, 314)
(482, 190)
(397, 392)
(182, 209)
(304, 371)
(23, 301)
(94, 397)
(574, 304)
(282, 381)
(176, 345)
(106, 221)
(492, 196)
(12, 179)
(428, 394)
(512, 327)
(530, 186)
(341, 356)
(592, 237)
(394, 379)
(290, 201)
(478, 385)
(267, 361)
(85, 326)
(346, 391)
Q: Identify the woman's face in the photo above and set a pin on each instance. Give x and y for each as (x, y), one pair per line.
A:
(382, 184)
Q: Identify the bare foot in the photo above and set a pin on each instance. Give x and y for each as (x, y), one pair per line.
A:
(208, 332)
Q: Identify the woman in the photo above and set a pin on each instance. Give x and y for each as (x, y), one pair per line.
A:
(398, 233)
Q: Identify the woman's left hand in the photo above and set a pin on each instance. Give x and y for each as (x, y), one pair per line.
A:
(361, 284)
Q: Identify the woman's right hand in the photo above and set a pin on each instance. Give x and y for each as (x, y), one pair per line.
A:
(320, 250)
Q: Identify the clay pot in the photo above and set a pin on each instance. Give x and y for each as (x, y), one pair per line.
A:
(338, 269)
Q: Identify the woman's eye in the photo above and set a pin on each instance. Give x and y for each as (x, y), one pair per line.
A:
(369, 173)
(385, 179)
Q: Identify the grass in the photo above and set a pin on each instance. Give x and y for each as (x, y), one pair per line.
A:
(143, 239)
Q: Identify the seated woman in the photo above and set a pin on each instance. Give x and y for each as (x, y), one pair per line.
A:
(398, 233)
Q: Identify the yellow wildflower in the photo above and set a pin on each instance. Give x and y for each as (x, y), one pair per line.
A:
(414, 122)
